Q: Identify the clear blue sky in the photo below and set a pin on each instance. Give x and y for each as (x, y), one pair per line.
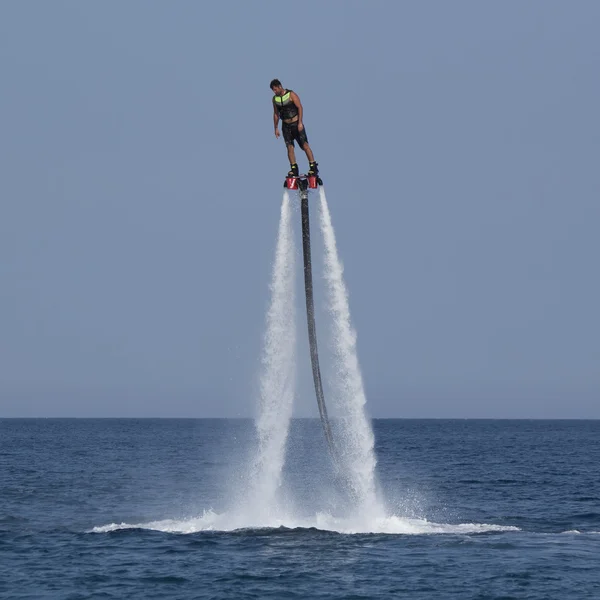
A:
(140, 185)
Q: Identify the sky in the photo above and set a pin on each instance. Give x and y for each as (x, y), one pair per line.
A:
(140, 187)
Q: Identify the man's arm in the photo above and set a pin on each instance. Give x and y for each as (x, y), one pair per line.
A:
(296, 101)
(276, 119)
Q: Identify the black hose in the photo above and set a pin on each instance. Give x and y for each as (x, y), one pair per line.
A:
(310, 316)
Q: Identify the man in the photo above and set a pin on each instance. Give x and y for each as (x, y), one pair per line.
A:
(288, 108)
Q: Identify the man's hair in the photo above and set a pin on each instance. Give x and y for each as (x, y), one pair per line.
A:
(275, 83)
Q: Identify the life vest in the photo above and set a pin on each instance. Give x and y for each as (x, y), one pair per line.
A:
(285, 106)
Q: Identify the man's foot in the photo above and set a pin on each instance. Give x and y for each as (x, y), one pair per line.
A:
(313, 168)
(293, 172)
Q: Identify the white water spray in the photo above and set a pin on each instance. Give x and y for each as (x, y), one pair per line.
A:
(357, 441)
(277, 380)
(261, 506)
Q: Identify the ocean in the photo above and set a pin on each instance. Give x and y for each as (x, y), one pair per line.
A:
(164, 508)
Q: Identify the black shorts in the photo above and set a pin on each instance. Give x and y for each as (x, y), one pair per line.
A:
(291, 133)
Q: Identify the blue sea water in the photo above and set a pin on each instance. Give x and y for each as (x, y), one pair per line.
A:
(155, 509)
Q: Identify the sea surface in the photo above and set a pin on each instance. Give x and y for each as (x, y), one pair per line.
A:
(128, 508)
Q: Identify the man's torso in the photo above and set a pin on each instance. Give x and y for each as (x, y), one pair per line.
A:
(288, 111)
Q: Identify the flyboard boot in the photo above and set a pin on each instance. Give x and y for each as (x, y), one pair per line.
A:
(291, 180)
(313, 175)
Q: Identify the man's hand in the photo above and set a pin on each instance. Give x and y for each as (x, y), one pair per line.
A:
(300, 126)
(277, 134)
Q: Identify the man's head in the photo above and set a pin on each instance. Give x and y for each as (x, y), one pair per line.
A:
(276, 87)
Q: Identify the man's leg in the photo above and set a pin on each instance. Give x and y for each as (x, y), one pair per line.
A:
(291, 154)
(309, 153)
(313, 167)
(292, 158)
(288, 136)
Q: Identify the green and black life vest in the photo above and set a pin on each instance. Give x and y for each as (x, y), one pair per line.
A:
(285, 106)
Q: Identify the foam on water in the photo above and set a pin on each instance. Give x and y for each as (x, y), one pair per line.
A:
(394, 525)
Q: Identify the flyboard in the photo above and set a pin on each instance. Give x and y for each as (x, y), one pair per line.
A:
(303, 183)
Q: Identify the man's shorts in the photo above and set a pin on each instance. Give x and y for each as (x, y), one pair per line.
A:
(291, 133)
